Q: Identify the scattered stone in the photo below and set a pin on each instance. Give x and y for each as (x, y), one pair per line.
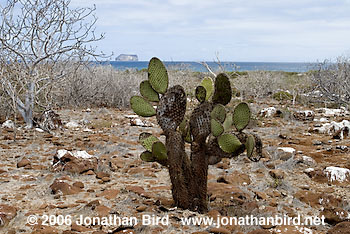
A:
(24, 163)
(78, 228)
(101, 174)
(72, 125)
(8, 124)
(268, 112)
(277, 174)
(339, 130)
(7, 213)
(75, 162)
(259, 231)
(219, 230)
(141, 208)
(340, 228)
(260, 195)
(109, 194)
(317, 142)
(337, 174)
(306, 115)
(333, 112)
(63, 187)
(334, 215)
(106, 179)
(285, 153)
(79, 184)
(235, 178)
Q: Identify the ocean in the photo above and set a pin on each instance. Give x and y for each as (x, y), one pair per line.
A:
(228, 66)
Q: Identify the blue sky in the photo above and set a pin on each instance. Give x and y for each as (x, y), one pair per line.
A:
(236, 30)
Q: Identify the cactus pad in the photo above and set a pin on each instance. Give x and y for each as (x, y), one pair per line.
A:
(222, 92)
(201, 93)
(148, 92)
(142, 107)
(158, 75)
(184, 128)
(171, 108)
(218, 113)
(241, 116)
(229, 143)
(216, 128)
(147, 140)
(200, 121)
(147, 157)
(159, 151)
(208, 84)
(228, 122)
(249, 145)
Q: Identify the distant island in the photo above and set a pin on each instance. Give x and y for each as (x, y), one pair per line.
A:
(127, 57)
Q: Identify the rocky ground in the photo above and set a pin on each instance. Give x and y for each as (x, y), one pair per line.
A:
(91, 167)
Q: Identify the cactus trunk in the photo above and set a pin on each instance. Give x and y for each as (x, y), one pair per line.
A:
(179, 170)
(200, 163)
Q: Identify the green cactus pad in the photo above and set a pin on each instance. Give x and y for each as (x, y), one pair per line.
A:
(222, 92)
(171, 108)
(229, 143)
(201, 93)
(159, 151)
(183, 126)
(218, 113)
(143, 136)
(216, 128)
(241, 116)
(208, 84)
(158, 75)
(188, 136)
(249, 145)
(142, 107)
(228, 122)
(147, 141)
(147, 157)
(148, 92)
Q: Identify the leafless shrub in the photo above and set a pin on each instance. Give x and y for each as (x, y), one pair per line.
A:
(262, 84)
(102, 85)
(38, 41)
(257, 84)
(98, 86)
(333, 80)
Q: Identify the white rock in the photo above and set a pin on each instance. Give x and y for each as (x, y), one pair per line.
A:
(309, 170)
(39, 130)
(87, 130)
(60, 153)
(333, 127)
(268, 112)
(72, 124)
(82, 154)
(309, 161)
(8, 124)
(337, 173)
(287, 149)
(334, 112)
(131, 116)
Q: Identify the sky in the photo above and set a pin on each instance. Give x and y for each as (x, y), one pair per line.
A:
(231, 30)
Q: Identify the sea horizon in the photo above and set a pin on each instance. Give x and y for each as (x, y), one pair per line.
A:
(227, 65)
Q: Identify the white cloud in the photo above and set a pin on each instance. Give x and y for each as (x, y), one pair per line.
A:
(239, 29)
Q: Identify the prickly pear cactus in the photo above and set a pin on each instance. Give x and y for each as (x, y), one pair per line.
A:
(212, 129)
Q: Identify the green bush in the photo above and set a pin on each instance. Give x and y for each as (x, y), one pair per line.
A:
(282, 96)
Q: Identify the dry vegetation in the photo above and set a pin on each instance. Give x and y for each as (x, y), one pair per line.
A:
(97, 86)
